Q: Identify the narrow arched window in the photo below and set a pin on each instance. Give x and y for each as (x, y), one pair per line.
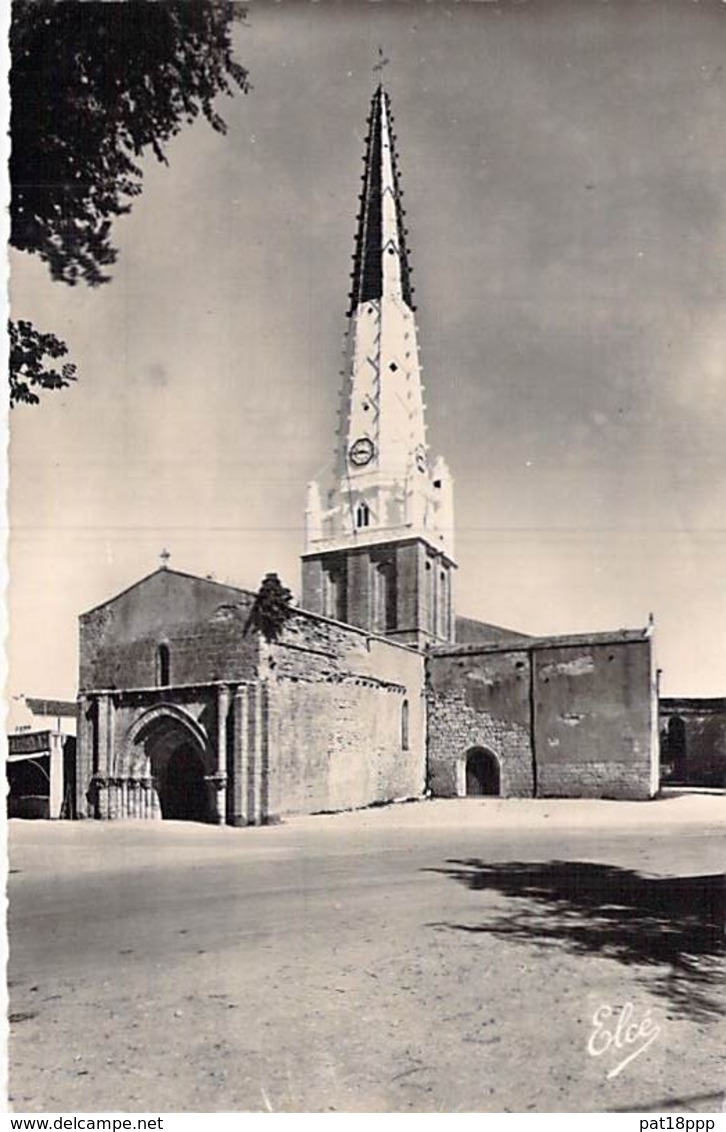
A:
(404, 726)
(442, 607)
(163, 666)
(362, 515)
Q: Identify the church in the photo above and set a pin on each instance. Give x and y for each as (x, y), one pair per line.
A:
(373, 690)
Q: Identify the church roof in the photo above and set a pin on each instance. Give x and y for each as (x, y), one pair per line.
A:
(470, 631)
(695, 704)
(379, 228)
(533, 644)
(65, 708)
(168, 571)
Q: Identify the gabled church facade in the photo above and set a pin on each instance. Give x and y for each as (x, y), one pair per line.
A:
(186, 713)
(374, 690)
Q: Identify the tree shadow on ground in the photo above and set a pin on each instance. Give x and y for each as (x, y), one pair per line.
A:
(671, 925)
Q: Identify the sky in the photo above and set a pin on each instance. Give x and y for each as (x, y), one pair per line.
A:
(563, 164)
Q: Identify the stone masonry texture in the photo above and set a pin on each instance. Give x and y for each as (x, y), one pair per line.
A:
(325, 718)
(569, 720)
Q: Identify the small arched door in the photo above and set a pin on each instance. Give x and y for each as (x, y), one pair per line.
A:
(482, 773)
(677, 748)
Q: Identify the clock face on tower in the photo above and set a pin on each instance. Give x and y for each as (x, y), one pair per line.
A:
(361, 452)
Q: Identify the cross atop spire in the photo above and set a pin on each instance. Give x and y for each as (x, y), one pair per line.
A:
(381, 62)
(164, 557)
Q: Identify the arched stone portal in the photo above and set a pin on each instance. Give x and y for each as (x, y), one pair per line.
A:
(482, 773)
(169, 751)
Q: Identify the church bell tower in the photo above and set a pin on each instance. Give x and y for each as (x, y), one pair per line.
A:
(379, 541)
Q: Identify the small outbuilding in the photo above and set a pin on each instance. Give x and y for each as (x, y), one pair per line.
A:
(41, 761)
(693, 741)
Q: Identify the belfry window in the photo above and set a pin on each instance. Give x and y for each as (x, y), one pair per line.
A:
(334, 591)
(362, 515)
(385, 603)
(163, 666)
(442, 605)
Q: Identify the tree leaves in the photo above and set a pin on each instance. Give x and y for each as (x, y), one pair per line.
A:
(93, 85)
(272, 608)
(29, 369)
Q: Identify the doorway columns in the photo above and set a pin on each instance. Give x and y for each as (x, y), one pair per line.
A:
(218, 780)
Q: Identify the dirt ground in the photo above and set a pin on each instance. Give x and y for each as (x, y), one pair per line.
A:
(440, 956)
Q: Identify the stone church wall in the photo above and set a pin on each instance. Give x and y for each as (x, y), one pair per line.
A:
(346, 718)
(329, 717)
(567, 719)
(479, 699)
(594, 721)
(201, 623)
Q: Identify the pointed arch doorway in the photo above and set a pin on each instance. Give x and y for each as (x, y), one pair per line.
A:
(168, 749)
(483, 778)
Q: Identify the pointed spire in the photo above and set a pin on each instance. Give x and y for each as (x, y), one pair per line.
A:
(381, 255)
(385, 487)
